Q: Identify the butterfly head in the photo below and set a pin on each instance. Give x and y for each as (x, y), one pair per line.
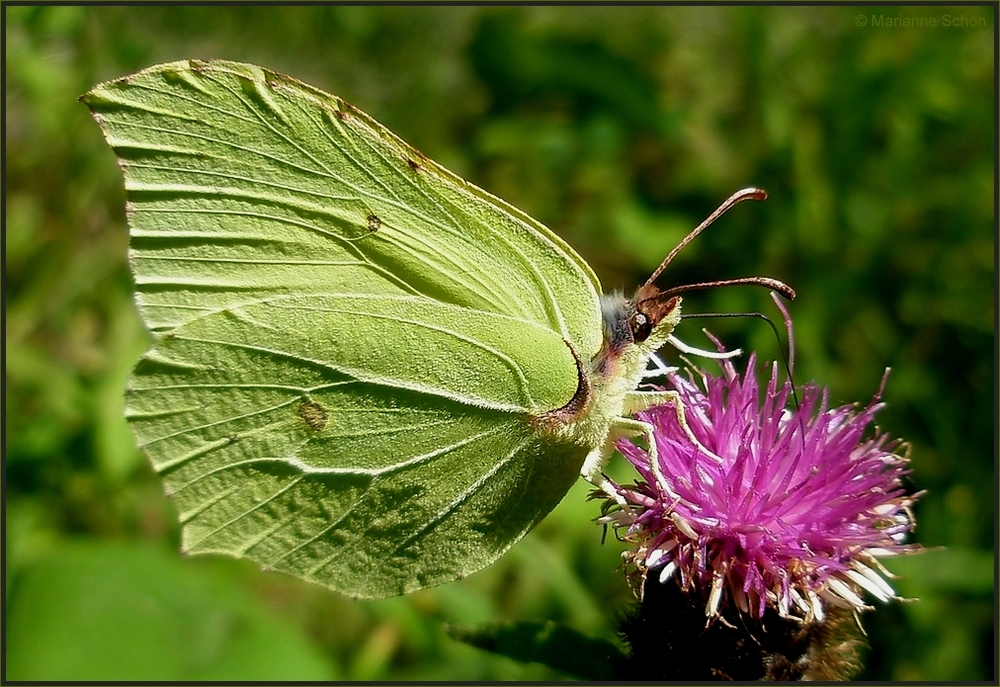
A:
(634, 328)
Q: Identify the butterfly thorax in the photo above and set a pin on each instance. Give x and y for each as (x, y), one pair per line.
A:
(631, 334)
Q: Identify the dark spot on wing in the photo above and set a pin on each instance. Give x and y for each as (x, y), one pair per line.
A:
(313, 414)
(374, 223)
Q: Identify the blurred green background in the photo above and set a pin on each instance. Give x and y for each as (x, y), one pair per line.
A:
(620, 128)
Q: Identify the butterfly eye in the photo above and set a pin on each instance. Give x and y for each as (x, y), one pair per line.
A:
(641, 326)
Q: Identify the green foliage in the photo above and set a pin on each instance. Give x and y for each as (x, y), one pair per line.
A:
(557, 646)
(619, 128)
(165, 618)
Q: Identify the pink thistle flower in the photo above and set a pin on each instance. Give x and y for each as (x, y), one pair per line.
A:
(759, 503)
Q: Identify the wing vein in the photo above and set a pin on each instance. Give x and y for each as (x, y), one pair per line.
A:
(412, 461)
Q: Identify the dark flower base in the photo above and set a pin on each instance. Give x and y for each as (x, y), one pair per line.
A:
(669, 640)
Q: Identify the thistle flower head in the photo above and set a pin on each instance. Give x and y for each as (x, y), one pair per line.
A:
(758, 503)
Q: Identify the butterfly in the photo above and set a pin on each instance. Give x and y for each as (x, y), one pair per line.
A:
(365, 371)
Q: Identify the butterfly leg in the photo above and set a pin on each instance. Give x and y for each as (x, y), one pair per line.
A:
(621, 428)
(637, 401)
(626, 428)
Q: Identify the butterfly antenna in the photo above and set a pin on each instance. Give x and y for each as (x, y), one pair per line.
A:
(767, 282)
(751, 193)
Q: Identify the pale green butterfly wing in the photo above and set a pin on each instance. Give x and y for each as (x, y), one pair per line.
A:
(274, 182)
(352, 343)
(306, 449)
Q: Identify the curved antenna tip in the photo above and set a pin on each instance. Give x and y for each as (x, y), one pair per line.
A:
(750, 193)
